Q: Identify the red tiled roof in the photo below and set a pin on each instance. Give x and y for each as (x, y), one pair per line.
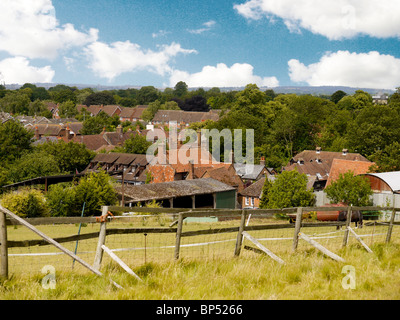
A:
(340, 166)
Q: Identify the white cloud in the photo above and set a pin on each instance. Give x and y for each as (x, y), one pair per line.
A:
(238, 75)
(109, 61)
(30, 29)
(160, 33)
(18, 70)
(342, 68)
(335, 20)
(207, 26)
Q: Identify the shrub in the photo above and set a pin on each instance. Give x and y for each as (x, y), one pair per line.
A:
(27, 203)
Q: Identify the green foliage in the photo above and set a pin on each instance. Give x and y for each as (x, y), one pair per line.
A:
(96, 124)
(136, 144)
(33, 165)
(350, 189)
(69, 156)
(388, 159)
(27, 203)
(14, 141)
(289, 190)
(264, 196)
(95, 190)
(67, 109)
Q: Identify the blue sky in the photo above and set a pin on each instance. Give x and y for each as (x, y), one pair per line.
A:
(202, 42)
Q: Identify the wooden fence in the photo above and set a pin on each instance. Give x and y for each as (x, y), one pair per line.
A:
(176, 227)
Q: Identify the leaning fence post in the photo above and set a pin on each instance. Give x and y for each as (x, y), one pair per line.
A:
(102, 239)
(239, 239)
(3, 247)
(390, 229)
(348, 223)
(178, 235)
(299, 217)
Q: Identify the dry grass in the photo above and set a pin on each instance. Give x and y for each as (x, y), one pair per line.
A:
(306, 275)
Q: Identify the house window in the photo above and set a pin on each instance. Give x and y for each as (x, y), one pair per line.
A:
(247, 201)
(252, 201)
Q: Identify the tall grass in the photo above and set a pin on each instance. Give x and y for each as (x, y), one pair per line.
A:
(306, 275)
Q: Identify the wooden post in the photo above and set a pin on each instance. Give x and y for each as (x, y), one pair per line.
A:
(299, 217)
(3, 247)
(348, 223)
(120, 262)
(390, 229)
(178, 236)
(321, 248)
(264, 249)
(54, 243)
(239, 239)
(102, 240)
(360, 240)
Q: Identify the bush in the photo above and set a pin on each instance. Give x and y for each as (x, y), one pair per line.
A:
(27, 203)
(94, 190)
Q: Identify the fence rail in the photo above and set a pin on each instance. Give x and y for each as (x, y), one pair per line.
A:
(175, 232)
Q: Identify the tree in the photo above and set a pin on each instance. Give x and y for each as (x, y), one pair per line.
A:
(99, 98)
(14, 141)
(16, 102)
(33, 165)
(180, 89)
(290, 190)
(61, 199)
(350, 189)
(337, 96)
(374, 128)
(147, 94)
(96, 124)
(95, 190)
(136, 144)
(70, 157)
(388, 159)
(264, 195)
(67, 109)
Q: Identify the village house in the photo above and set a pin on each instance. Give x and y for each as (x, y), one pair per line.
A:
(317, 164)
(132, 114)
(125, 167)
(183, 118)
(94, 110)
(105, 141)
(190, 162)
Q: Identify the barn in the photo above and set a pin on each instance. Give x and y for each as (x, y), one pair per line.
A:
(385, 182)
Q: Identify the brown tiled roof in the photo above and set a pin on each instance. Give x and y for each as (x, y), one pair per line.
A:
(340, 166)
(314, 163)
(184, 116)
(255, 189)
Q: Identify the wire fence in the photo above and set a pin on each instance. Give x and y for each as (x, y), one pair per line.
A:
(163, 235)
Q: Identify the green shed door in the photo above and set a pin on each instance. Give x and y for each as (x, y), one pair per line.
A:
(226, 200)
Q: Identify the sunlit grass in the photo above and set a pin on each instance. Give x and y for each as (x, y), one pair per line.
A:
(307, 274)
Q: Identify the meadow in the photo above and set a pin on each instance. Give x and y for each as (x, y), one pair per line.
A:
(306, 275)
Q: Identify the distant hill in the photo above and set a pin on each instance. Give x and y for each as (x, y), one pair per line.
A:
(323, 90)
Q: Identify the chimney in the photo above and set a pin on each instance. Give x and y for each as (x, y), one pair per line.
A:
(199, 138)
(262, 161)
(318, 150)
(37, 136)
(345, 151)
(120, 130)
(104, 130)
(191, 170)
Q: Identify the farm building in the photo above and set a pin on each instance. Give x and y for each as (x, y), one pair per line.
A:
(386, 182)
(199, 193)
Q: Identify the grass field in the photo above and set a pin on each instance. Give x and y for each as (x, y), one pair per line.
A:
(208, 272)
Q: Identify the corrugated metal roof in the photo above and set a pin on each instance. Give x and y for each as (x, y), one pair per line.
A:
(174, 189)
(392, 179)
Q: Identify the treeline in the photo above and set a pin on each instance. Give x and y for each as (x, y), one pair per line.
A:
(284, 124)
